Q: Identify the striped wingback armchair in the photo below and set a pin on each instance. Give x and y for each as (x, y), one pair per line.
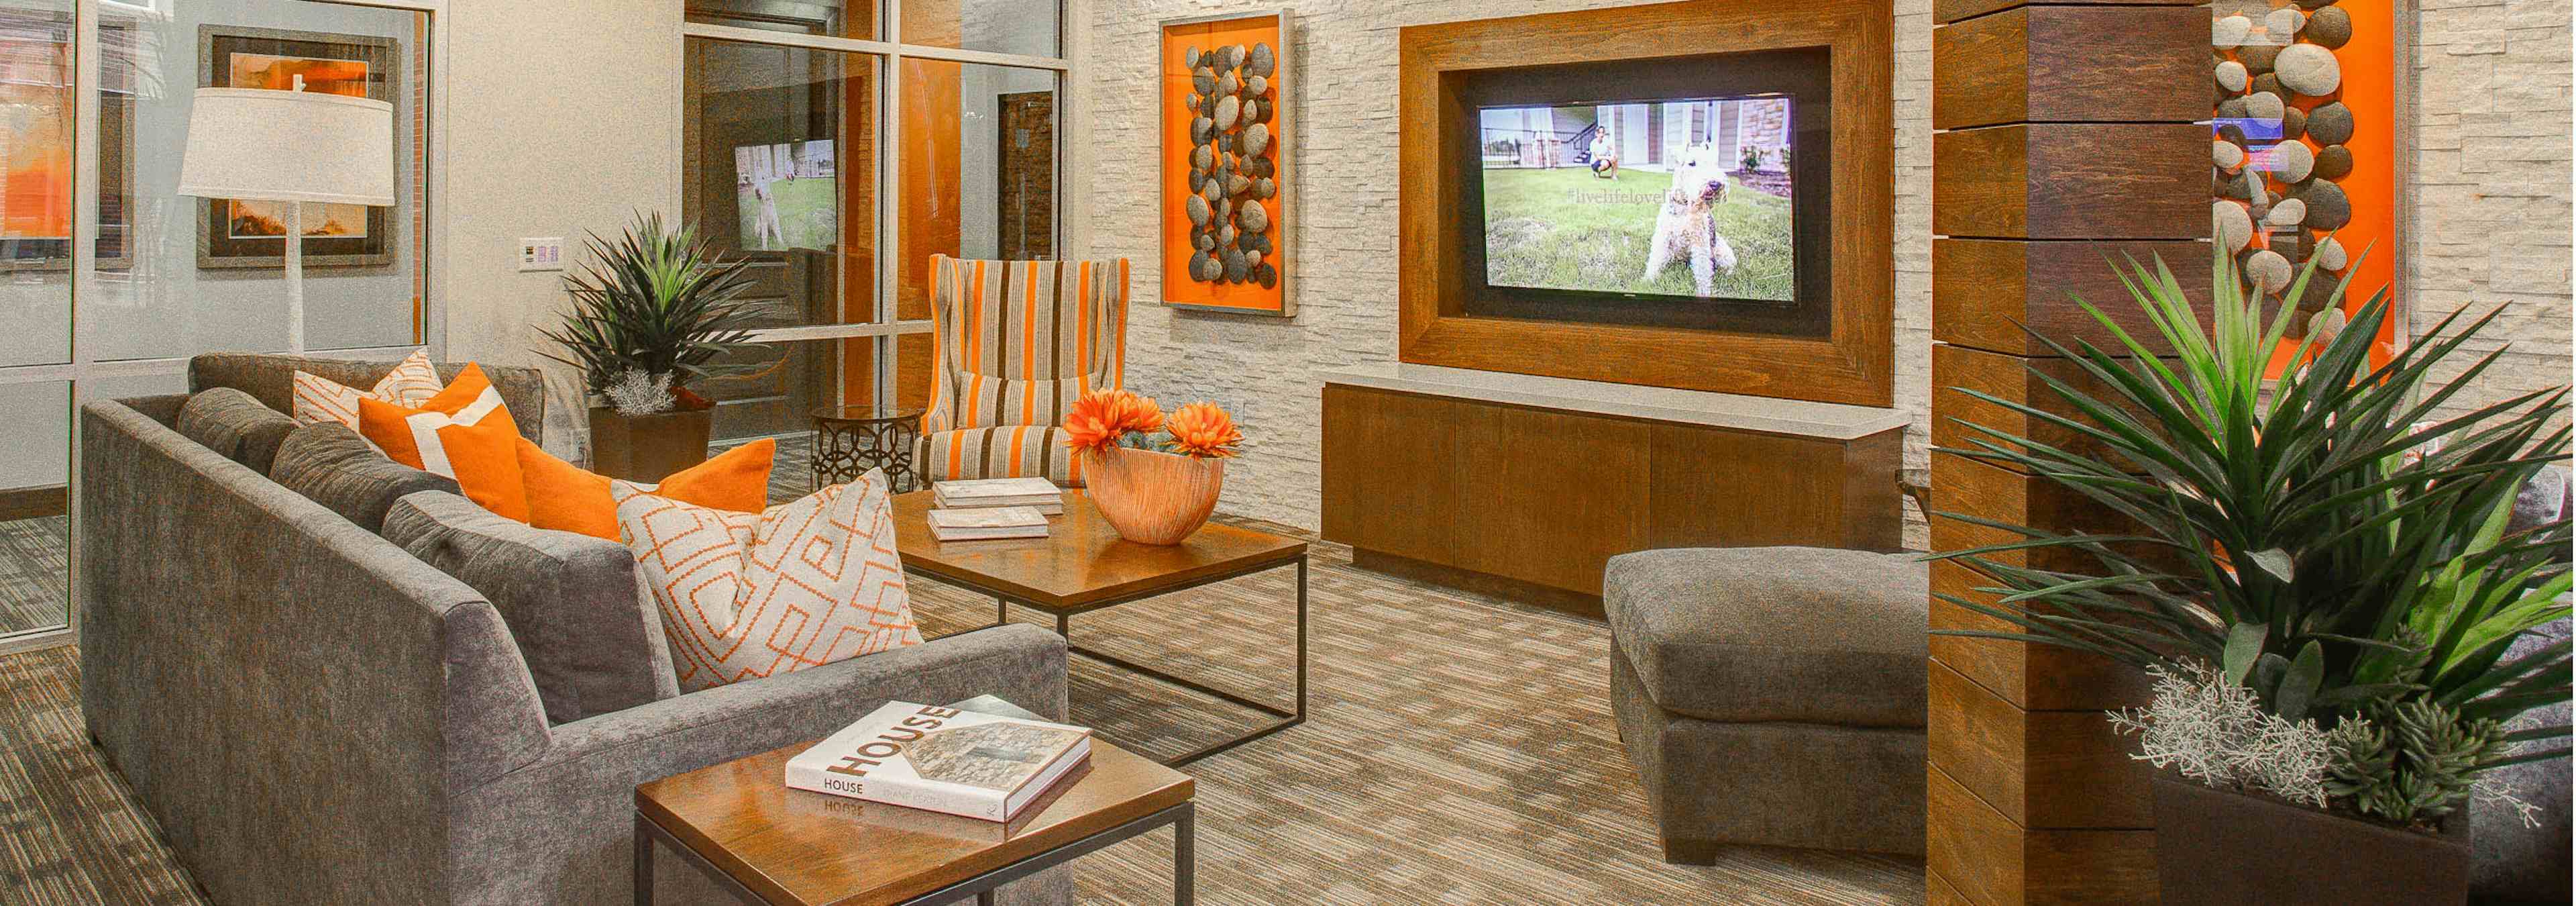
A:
(1013, 344)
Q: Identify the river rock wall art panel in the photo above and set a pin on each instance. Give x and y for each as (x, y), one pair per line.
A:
(1226, 180)
(2305, 158)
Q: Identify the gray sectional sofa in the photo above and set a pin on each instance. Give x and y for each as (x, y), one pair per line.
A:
(456, 710)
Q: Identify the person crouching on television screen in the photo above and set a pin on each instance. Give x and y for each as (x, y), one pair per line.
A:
(1605, 156)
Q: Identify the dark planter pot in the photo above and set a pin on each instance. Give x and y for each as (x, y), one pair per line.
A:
(649, 448)
(2220, 848)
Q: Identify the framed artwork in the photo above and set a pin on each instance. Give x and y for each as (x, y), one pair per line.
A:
(2310, 154)
(1227, 168)
(236, 233)
(36, 111)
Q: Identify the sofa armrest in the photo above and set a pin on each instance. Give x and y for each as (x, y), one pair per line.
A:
(562, 822)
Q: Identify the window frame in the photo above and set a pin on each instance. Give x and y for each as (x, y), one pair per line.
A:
(83, 369)
(883, 329)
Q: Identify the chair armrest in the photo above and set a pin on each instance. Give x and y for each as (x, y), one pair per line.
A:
(562, 821)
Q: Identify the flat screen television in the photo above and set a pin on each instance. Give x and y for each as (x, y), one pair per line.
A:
(788, 195)
(1691, 192)
(1678, 198)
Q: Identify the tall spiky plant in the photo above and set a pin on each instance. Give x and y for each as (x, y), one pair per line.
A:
(2282, 531)
(657, 301)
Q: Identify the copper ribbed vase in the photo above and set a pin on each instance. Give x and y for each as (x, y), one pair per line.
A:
(1152, 497)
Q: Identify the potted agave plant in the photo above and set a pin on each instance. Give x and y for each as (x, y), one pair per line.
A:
(1154, 477)
(651, 317)
(2320, 580)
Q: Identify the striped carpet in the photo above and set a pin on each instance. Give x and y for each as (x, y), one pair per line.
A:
(1458, 749)
(33, 562)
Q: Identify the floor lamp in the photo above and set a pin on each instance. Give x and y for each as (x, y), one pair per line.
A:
(292, 147)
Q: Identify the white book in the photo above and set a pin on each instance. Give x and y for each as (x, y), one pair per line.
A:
(1053, 506)
(976, 492)
(942, 760)
(987, 522)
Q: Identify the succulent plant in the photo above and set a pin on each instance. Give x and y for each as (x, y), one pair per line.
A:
(2323, 539)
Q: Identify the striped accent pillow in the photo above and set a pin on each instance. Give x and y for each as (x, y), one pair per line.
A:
(1010, 451)
(412, 382)
(464, 433)
(983, 401)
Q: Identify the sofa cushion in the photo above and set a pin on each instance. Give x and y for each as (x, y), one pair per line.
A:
(235, 425)
(464, 432)
(753, 595)
(1774, 633)
(271, 379)
(592, 642)
(412, 382)
(336, 468)
(567, 497)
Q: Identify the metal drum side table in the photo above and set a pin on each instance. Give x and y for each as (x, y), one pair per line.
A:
(850, 440)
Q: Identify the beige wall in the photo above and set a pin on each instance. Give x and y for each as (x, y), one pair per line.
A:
(2492, 225)
(562, 117)
(2491, 184)
(1344, 228)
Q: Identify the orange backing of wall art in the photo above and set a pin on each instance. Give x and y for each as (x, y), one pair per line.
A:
(1178, 288)
(2369, 62)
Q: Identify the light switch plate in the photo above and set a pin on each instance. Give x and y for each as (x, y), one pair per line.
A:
(541, 254)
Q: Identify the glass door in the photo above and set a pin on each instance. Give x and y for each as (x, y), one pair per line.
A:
(110, 279)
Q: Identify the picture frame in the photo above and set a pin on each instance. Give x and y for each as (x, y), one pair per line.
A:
(242, 234)
(1178, 233)
(38, 94)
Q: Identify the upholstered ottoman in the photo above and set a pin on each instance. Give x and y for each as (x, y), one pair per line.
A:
(1772, 695)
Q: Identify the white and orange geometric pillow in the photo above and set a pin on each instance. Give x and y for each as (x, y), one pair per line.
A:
(412, 382)
(750, 595)
(464, 432)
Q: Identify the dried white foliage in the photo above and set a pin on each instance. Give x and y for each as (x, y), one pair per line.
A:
(2492, 789)
(2215, 732)
(634, 393)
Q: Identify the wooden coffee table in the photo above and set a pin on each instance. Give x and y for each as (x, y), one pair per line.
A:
(765, 843)
(1083, 566)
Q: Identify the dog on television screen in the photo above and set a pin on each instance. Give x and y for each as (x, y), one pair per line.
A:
(1687, 225)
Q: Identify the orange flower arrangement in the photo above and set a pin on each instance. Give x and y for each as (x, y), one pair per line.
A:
(1102, 420)
(1203, 430)
(1099, 419)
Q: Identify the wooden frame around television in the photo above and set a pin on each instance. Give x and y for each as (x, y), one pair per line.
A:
(1854, 364)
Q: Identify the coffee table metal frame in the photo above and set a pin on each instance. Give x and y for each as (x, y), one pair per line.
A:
(1182, 818)
(1287, 717)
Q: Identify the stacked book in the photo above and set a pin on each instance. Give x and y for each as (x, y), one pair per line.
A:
(943, 760)
(1036, 493)
(986, 523)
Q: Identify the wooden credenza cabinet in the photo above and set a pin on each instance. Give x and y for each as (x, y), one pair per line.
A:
(1526, 486)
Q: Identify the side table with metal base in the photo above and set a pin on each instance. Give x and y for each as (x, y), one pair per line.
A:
(850, 440)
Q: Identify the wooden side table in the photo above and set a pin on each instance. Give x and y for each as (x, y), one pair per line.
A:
(850, 440)
(765, 843)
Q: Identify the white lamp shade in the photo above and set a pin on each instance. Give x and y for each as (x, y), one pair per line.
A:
(265, 145)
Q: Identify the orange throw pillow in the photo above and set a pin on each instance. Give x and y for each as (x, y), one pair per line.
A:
(569, 498)
(464, 432)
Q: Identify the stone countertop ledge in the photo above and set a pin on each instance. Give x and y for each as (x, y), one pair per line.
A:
(1831, 421)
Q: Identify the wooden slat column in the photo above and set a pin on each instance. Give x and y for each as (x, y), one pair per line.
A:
(2065, 136)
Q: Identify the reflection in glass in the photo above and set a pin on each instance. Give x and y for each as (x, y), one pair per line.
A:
(781, 173)
(36, 181)
(35, 533)
(1025, 27)
(203, 275)
(978, 181)
(834, 18)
